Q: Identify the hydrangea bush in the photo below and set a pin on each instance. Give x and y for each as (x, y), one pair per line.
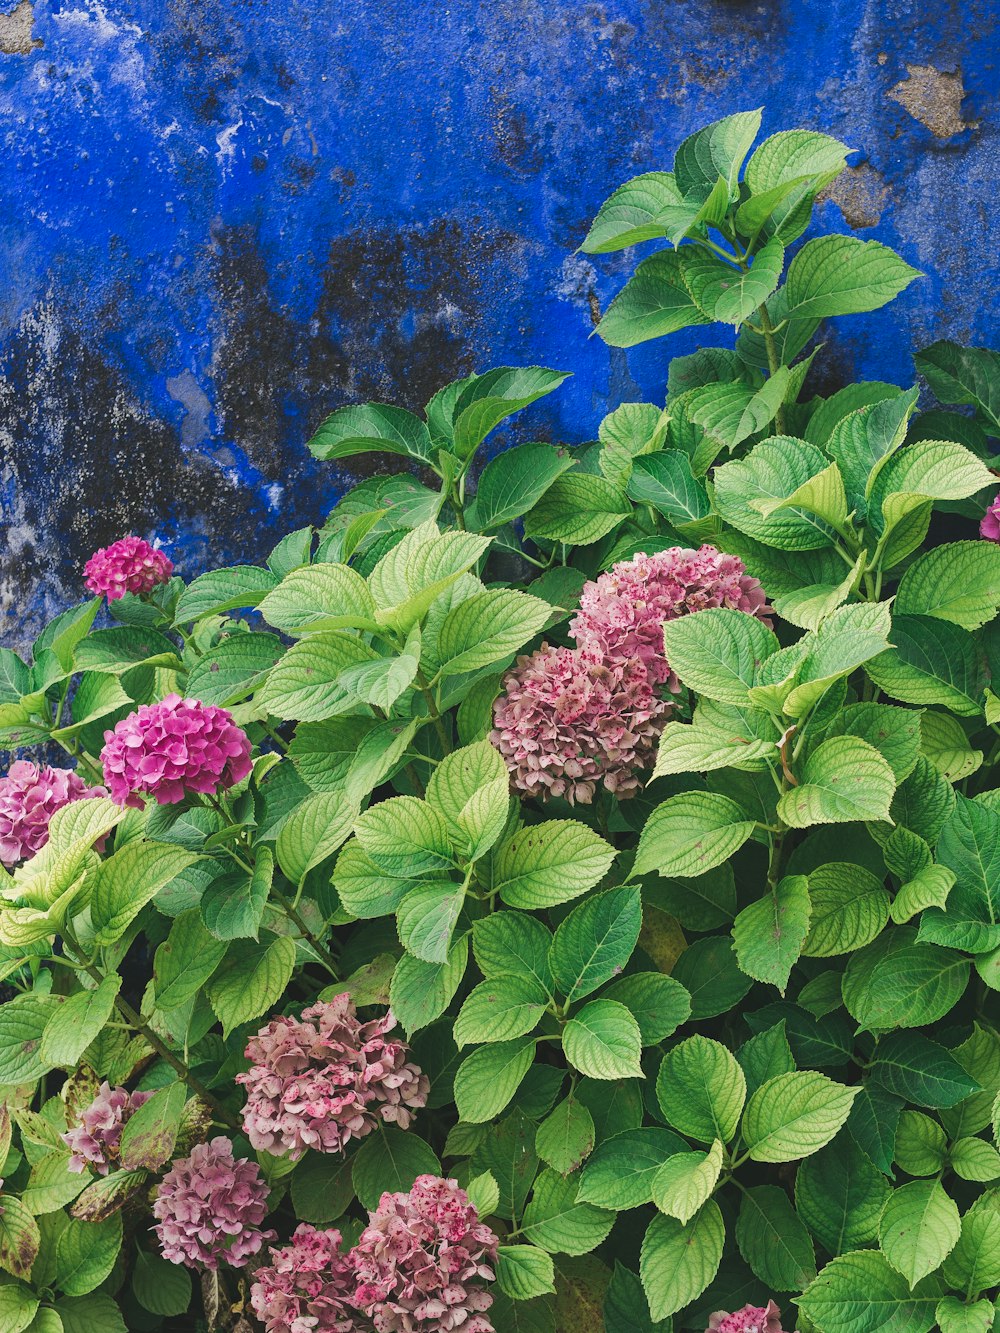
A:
(555, 895)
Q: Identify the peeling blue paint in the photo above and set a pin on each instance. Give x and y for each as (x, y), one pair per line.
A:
(220, 220)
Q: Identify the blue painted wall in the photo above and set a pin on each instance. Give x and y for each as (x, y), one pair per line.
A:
(221, 219)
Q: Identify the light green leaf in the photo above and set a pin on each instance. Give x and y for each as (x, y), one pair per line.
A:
(770, 933)
(931, 662)
(602, 1041)
(898, 982)
(861, 1292)
(498, 1010)
(679, 1260)
(86, 1253)
(513, 944)
(691, 833)
(639, 210)
(524, 1271)
(557, 1222)
(306, 683)
(685, 1182)
(842, 275)
(319, 597)
(621, 1171)
(770, 474)
(958, 582)
(128, 880)
(701, 747)
(252, 978)
(701, 1090)
(514, 482)
(844, 779)
(658, 1004)
(655, 301)
(794, 1115)
(488, 628)
(550, 863)
(729, 295)
(919, 1228)
(850, 906)
(953, 1316)
(77, 1023)
(20, 1238)
(420, 992)
(717, 150)
(595, 941)
(372, 428)
(664, 480)
(566, 1137)
(717, 652)
(488, 1078)
(578, 508)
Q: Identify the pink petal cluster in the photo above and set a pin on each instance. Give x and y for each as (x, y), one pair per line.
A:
(97, 1138)
(568, 720)
(29, 796)
(308, 1286)
(172, 748)
(322, 1080)
(751, 1319)
(127, 565)
(422, 1260)
(989, 526)
(622, 613)
(209, 1208)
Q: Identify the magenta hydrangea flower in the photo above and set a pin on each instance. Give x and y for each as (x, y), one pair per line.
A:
(751, 1319)
(29, 796)
(568, 721)
(322, 1080)
(422, 1261)
(172, 748)
(622, 613)
(309, 1285)
(127, 565)
(209, 1208)
(989, 525)
(98, 1136)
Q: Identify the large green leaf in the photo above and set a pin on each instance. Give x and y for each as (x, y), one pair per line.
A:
(701, 1090)
(549, 863)
(717, 150)
(372, 428)
(252, 978)
(679, 1260)
(969, 376)
(931, 662)
(602, 1041)
(794, 1115)
(514, 481)
(843, 275)
(773, 1239)
(655, 301)
(861, 1292)
(595, 941)
(918, 1229)
(691, 833)
(839, 1194)
(643, 209)
(958, 582)
(751, 492)
(770, 933)
(717, 652)
(844, 779)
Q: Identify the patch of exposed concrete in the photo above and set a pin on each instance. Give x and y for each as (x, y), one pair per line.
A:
(861, 194)
(934, 97)
(15, 31)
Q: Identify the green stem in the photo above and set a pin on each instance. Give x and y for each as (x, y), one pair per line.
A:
(423, 686)
(773, 359)
(293, 914)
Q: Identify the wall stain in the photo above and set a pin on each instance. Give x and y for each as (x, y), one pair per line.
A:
(16, 37)
(861, 194)
(934, 97)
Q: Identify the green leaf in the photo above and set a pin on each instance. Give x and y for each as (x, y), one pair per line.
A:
(850, 906)
(577, 508)
(621, 1172)
(514, 482)
(897, 982)
(794, 1115)
(768, 476)
(967, 376)
(691, 833)
(233, 908)
(701, 747)
(842, 275)
(223, 590)
(895, 732)
(727, 294)
(944, 742)
(487, 399)
(22, 1023)
(252, 978)
(931, 662)
(658, 1004)
(774, 1241)
(414, 573)
(321, 1188)
(595, 941)
(405, 836)
(975, 1159)
(958, 582)
(160, 1287)
(679, 1260)
(918, 1069)
(234, 669)
(843, 779)
(488, 628)
(848, 637)
(717, 652)
(513, 944)
(685, 1182)
(389, 1162)
(626, 1309)
(765, 1056)
(557, 1222)
(839, 1194)
(18, 1304)
(665, 481)
(86, 1253)
(640, 210)
(770, 933)
(129, 879)
(426, 920)
(185, 960)
(921, 1145)
(149, 1136)
(974, 1264)
(717, 150)
(602, 1041)
(499, 1010)
(861, 1291)
(19, 1237)
(861, 442)
(566, 1137)
(524, 1271)
(953, 1316)
(488, 1078)
(77, 1023)
(84, 1314)
(372, 428)
(420, 992)
(919, 1228)
(319, 597)
(470, 788)
(550, 863)
(701, 1090)
(655, 301)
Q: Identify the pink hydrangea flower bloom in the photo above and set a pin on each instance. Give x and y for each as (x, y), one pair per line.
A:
(209, 1208)
(568, 720)
(622, 613)
(989, 526)
(751, 1319)
(172, 748)
(29, 796)
(128, 565)
(309, 1285)
(322, 1080)
(422, 1262)
(97, 1138)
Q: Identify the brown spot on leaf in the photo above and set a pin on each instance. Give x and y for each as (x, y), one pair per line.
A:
(934, 97)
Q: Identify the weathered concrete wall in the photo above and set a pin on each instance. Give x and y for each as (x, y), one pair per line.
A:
(220, 219)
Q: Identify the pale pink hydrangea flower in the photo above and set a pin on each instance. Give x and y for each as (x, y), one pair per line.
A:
(989, 525)
(622, 613)
(422, 1261)
(29, 796)
(751, 1319)
(308, 1287)
(322, 1080)
(127, 565)
(568, 720)
(97, 1138)
(172, 748)
(209, 1208)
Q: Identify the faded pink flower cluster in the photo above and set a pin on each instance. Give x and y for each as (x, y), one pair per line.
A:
(308, 1285)
(570, 719)
(97, 1138)
(127, 565)
(209, 1208)
(751, 1319)
(171, 748)
(422, 1260)
(29, 796)
(322, 1080)
(989, 525)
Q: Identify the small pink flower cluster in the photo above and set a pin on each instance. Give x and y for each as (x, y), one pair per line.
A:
(209, 1208)
(128, 565)
(418, 1267)
(29, 796)
(989, 526)
(171, 748)
(97, 1138)
(751, 1319)
(570, 719)
(322, 1080)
